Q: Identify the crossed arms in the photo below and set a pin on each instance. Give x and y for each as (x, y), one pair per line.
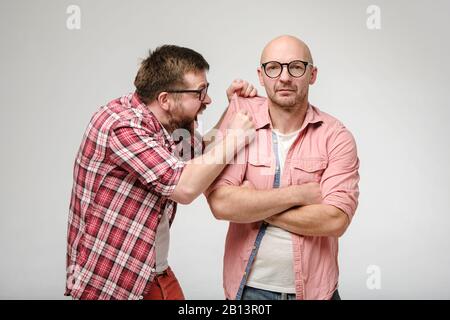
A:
(307, 209)
(295, 208)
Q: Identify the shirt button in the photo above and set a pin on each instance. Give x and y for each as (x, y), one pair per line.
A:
(152, 269)
(254, 247)
(159, 216)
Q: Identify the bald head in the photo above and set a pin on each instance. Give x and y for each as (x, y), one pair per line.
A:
(285, 49)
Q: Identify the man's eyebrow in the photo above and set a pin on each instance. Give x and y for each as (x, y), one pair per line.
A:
(202, 85)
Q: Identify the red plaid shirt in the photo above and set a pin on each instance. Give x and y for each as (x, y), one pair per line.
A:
(124, 173)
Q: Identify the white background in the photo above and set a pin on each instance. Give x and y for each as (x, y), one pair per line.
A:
(389, 86)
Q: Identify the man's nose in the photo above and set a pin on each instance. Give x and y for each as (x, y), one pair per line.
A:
(207, 100)
(285, 76)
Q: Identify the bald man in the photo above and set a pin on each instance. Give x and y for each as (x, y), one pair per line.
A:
(292, 192)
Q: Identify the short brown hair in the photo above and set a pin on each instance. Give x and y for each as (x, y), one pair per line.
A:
(164, 68)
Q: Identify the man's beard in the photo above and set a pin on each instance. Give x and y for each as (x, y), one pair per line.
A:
(183, 133)
(289, 102)
(187, 124)
(184, 122)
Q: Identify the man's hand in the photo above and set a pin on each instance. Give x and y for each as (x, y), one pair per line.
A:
(242, 120)
(247, 184)
(304, 194)
(242, 88)
(307, 194)
(241, 129)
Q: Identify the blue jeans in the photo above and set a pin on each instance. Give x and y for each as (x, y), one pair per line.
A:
(250, 293)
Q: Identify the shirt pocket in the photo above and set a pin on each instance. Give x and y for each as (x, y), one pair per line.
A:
(259, 171)
(304, 170)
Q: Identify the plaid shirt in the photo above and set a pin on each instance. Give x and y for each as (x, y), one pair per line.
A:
(124, 173)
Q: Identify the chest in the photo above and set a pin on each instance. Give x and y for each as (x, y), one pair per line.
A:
(304, 160)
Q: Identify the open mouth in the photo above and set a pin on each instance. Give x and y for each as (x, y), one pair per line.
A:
(196, 116)
(198, 113)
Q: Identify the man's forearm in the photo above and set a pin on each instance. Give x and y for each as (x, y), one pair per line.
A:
(201, 171)
(211, 135)
(246, 205)
(313, 220)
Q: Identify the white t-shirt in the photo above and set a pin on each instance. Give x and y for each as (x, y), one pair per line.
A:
(273, 267)
(162, 241)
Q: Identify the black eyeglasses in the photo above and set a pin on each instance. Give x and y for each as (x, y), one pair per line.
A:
(296, 68)
(201, 92)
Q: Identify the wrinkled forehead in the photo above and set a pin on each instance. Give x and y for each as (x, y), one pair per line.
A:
(285, 51)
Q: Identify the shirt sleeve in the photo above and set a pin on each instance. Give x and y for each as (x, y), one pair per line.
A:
(234, 173)
(142, 155)
(340, 179)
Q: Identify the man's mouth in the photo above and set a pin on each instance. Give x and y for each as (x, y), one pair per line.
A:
(199, 112)
(285, 90)
(196, 116)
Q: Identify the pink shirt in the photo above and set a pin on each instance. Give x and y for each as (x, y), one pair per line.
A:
(324, 152)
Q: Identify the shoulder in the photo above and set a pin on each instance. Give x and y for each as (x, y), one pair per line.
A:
(335, 131)
(124, 112)
(326, 118)
(331, 123)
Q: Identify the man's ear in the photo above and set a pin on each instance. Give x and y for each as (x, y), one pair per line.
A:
(313, 78)
(164, 100)
(260, 76)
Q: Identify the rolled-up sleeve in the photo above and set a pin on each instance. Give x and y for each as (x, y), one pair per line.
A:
(339, 183)
(137, 151)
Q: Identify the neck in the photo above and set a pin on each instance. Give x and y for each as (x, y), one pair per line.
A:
(160, 114)
(287, 120)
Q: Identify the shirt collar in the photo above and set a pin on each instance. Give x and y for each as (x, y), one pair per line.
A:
(262, 117)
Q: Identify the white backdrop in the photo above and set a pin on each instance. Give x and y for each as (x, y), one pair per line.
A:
(388, 85)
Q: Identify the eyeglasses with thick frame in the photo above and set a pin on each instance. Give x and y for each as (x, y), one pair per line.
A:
(201, 92)
(290, 67)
